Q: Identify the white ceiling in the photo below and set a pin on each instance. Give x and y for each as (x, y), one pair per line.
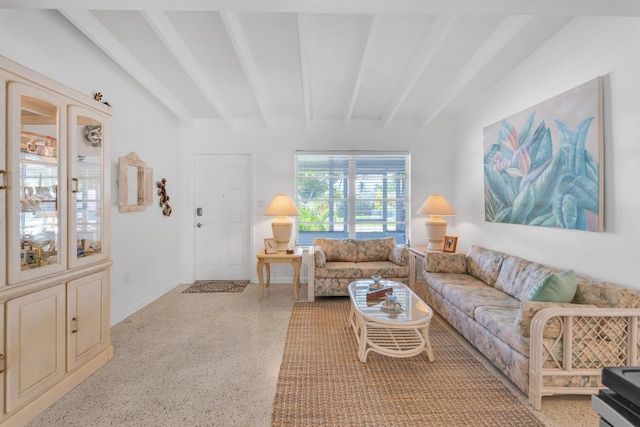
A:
(317, 60)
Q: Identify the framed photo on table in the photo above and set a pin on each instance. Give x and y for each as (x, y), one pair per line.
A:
(450, 243)
(270, 246)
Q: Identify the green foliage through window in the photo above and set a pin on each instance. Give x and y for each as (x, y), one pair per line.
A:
(352, 195)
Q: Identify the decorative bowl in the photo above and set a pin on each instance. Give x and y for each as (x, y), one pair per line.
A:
(395, 308)
(376, 279)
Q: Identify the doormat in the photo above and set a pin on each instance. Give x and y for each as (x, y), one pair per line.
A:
(217, 286)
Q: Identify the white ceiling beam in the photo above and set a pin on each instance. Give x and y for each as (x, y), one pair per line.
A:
(497, 41)
(98, 34)
(422, 59)
(372, 28)
(181, 52)
(305, 66)
(475, 7)
(239, 42)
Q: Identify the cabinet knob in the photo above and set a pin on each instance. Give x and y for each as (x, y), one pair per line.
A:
(74, 185)
(74, 325)
(3, 185)
(2, 362)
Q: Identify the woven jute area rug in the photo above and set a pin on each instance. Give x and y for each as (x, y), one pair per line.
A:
(217, 286)
(322, 382)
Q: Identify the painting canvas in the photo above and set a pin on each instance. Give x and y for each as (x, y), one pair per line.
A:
(544, 166)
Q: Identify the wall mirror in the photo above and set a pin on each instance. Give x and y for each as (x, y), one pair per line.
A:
(135, 184)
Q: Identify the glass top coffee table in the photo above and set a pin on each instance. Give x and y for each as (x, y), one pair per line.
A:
(402, 333)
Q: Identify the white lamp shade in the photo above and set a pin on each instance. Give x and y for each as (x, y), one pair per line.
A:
(281, 207)
(436, 206)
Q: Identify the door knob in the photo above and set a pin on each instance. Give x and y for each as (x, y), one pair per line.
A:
(199, 225)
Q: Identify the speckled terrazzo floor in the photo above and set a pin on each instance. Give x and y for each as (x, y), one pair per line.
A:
(208, 359)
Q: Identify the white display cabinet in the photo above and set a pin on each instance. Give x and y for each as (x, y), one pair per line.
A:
(54, 229)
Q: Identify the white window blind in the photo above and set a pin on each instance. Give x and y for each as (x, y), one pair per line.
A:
(352, 195)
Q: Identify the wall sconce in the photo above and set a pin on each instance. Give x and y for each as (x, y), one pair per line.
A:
(436, 206)
(282, 207)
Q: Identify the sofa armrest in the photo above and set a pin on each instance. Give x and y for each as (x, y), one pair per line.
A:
(552, 329)
(590, 339)
(445, 262)
(399, 255)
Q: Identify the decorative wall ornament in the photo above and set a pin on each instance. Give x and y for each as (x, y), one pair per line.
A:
(93, 135)
(98, 97)
(544, 165)
(164, 198)
(135, 182)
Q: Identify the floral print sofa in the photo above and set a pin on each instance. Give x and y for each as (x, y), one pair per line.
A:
(543, 347)
(334, 263)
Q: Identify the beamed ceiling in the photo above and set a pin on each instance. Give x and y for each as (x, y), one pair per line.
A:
(321, 60)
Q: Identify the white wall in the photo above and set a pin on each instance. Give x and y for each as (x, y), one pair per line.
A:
(272, 151)
(145, 244)
(583, 50)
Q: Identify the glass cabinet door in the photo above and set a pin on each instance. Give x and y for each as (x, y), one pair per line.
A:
(37, 209)
(87, 132)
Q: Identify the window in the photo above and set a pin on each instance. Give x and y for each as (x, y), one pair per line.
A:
(359, 195)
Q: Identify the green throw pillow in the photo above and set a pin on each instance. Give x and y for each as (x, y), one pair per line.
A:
(556, 287)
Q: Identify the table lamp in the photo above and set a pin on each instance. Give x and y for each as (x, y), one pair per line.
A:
(282, 207)
(436, 206)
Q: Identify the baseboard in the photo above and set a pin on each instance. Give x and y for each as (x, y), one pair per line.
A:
(31, 410)
(128, 311)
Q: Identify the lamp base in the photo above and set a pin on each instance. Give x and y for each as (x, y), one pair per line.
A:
(281, 230)
(436, 230)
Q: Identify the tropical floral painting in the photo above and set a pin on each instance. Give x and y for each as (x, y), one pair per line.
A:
(543, 166)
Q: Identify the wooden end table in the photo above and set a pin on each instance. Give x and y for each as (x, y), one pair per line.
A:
(265, 260)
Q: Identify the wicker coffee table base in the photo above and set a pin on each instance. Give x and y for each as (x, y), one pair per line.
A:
(390, 340)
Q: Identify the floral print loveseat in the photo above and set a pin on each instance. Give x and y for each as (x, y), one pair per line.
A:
(543, 347)
(334, 263)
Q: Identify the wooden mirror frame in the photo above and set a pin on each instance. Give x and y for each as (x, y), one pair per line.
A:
(143, 182)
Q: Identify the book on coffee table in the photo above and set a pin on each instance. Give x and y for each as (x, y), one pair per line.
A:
(379, 293)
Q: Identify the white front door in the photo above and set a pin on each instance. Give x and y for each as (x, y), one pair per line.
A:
(221, 217)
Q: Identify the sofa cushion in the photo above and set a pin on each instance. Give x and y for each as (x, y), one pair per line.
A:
(555, 287)
(528, 309)
(519, 276)
(374, 249)
(386, 269)
(507, 280)
(484, 264)
(438, 281)
(443, 262)
(399, 255)
(339, 270)
(319, 257)
(469, 297)
(338, 250)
